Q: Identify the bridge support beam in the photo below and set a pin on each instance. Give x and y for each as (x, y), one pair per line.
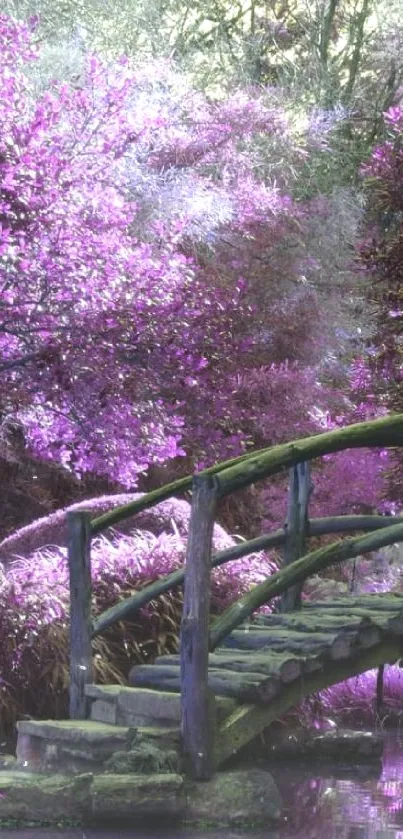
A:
(249, 721)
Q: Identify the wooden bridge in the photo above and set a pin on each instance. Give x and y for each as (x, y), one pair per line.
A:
(238, 675)
(269, 665)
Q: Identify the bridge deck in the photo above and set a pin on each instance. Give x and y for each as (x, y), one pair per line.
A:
(270, 664)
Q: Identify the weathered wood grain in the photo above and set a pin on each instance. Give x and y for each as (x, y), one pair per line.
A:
(285, 666)
(196, 700)
(248, 721)
(79, 561)
(338, 645)
(245, 687)
(340, 618)
(296, 528)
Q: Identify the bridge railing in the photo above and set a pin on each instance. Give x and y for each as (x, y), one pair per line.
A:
(207, 488)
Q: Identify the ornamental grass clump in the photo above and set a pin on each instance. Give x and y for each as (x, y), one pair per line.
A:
(34, 615)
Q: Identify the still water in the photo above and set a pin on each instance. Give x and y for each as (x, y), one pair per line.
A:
(327, 802)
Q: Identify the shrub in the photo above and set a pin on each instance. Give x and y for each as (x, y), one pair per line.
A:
(35, 607)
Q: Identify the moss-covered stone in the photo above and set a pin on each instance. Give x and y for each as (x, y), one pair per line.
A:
(144, 758)
(137, 797)
(234, 797)
(29, 796)
(71, 746)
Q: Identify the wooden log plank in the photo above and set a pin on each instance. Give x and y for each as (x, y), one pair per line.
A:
(286, 667)
(384, 432)
(301, 569)
(390, 601)
(365, 636)
(314, 623)
(308, 665)
(248, 721)
(196, 699)
(336, 619)
(79, 561)
(245, 687)
(337, 646)
(296, 528)
(388, 621)
(287, 671)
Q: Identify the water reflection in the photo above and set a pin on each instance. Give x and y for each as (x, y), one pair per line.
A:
(326, 804)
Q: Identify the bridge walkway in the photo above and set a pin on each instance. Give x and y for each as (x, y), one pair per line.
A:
(270, 664)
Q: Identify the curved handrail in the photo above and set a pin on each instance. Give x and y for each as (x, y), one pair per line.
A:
(128, 607)
(297, 572)
(244, 470)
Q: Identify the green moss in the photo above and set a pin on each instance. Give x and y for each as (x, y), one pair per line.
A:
(19, 824)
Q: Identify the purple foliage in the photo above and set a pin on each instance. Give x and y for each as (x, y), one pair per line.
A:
(170, 516)
(354, 700)
(132, 209)
(35, 609)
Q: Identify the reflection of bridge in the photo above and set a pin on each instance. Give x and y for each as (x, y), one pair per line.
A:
(235, 678)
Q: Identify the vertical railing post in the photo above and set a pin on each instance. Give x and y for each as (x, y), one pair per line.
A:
(79, 557)
(197, 702)
(296, 527)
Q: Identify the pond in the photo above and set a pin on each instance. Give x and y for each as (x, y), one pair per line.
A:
(326, 802)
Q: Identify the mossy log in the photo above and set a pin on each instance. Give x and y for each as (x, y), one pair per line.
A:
(308, 664)
(386, 602)
(384, 432)
(130, 606)
(344, 617)
(284, 665)
(151, 499)
(245, 687)
(365, 635)
(243, 470)
(297, 572)
(337, 646)
(246, 722)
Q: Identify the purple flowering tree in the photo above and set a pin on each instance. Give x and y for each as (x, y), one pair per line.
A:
(159, 292)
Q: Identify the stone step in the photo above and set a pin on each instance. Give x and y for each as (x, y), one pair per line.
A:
(80, 746)
(141, 707)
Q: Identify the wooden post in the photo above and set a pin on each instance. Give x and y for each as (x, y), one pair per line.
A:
(296, 528)
(197, 702)
(379, 689)
(79, 556)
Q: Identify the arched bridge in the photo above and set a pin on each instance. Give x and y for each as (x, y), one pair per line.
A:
(233, 678)
(269, 665)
